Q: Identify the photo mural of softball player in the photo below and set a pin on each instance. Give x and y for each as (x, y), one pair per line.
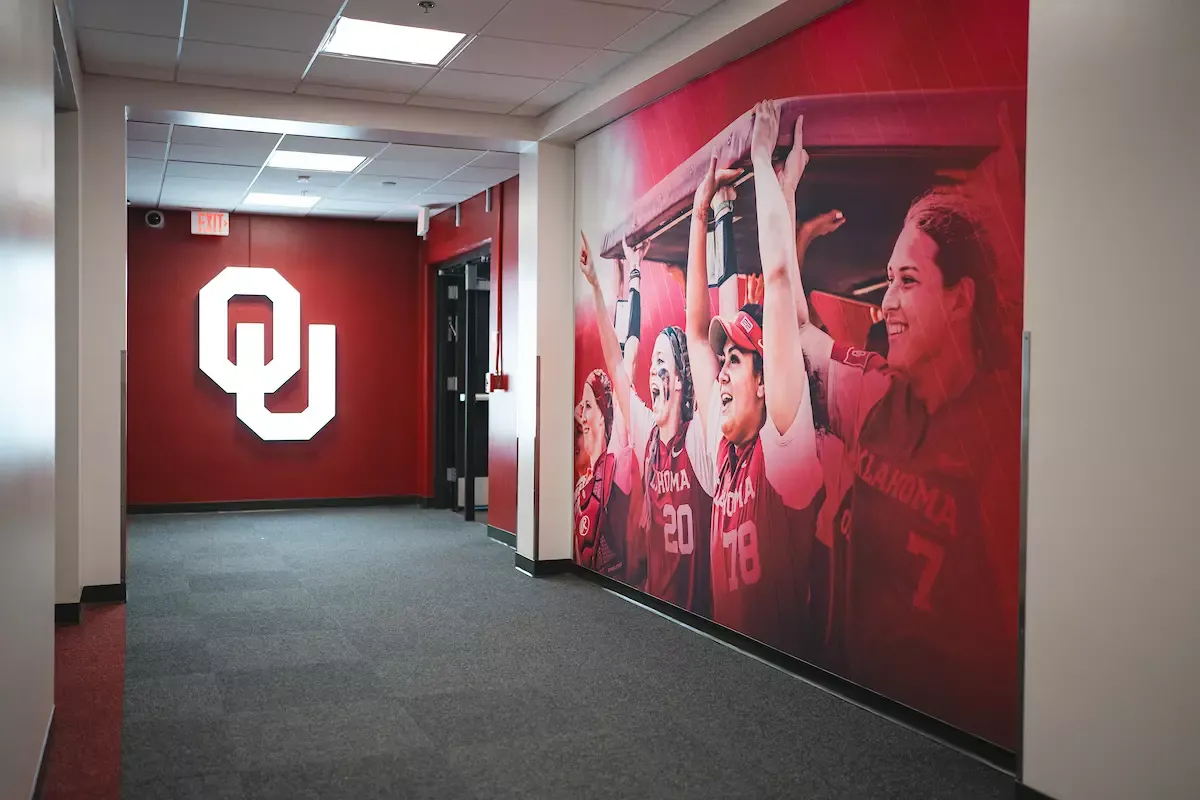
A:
(753, 397)
(603, 491)
(930, 433)
(677, 467)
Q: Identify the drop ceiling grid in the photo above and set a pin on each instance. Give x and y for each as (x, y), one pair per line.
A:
(534, 53)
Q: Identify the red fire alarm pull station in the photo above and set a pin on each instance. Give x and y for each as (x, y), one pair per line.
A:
(210, 223)
(497, 381)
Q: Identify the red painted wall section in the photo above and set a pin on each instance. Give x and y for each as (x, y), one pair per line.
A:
(446, 241)
(502, 419)
(185, 443)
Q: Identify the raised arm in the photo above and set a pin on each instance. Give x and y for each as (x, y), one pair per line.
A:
(816, 344)
(613, 361)
(698, 313)
(786, 384)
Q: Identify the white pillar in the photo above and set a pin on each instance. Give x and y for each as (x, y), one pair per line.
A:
(546, 341)
(101, 334)
(66, 340)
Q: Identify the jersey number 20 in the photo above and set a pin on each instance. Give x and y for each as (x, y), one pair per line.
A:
(678, 529)
(741, 555)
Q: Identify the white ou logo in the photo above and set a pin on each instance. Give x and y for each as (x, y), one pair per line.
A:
(251, 379)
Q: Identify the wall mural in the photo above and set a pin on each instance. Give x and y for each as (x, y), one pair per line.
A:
(798, 346)
(252, 378)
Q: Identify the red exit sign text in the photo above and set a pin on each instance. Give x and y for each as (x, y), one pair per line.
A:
(210, 223)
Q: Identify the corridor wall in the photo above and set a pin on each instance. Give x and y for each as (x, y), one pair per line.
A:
(831, 467)
(186, 443)
(446, 240)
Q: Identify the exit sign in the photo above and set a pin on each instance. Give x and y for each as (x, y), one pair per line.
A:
(210, 223)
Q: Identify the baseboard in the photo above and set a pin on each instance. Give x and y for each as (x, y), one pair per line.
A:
(502, 536)
(540, 569)
(39, 780)
(1025, 792)
(68, 613)
(278, 505)
(835, 684)
(108, 593)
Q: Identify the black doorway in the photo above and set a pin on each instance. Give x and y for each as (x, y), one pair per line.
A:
(461, 412)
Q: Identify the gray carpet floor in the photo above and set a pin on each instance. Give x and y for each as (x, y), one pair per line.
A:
(396, 653)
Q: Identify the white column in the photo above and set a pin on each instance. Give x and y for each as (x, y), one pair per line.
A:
(66, 339)
(546, 336)
(1112, 634)
(101, 335)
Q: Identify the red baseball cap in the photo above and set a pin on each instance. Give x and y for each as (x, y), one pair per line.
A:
(743, 330)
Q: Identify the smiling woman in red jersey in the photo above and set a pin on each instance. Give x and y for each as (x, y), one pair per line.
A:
(931, 434)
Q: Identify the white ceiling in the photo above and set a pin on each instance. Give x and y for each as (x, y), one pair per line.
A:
(526, 55)
(176, 166)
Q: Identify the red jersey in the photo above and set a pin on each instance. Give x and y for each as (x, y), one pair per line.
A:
(932, 573)
(679, 510)
(601, 516)
(763, 525)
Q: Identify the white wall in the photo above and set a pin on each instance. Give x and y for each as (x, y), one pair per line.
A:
(27, 399)
(1112, 704)
(101, 334)
(545, 276)
(66, 287)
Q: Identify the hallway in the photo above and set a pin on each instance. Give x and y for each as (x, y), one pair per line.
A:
(396, 653)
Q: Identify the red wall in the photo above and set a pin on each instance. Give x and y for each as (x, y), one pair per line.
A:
(446, 241)
(185, 443)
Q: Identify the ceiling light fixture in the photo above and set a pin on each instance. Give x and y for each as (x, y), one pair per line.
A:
(280, 200)
(317, 162)
(363, 39)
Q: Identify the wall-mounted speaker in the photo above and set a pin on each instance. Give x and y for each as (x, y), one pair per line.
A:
(423, 221)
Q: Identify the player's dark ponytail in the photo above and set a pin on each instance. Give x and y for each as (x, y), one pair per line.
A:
(683, 365)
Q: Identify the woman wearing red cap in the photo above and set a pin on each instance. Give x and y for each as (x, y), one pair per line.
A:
(754, 406)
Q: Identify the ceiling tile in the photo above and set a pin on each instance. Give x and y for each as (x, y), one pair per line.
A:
(286, 86)
(229, 59)
(144, 168)
(326, 7)
(199, 202)
(463, 188)
(692, 7)
(401, 214)
(119, 70)
(150, 17)
(548, 98)
(597, 66)
(463, 16)
(498, 160)
(372, 188)
(245, 156)
(431, 199)
(354, 206)
(220, 137)
(147, 131)
(142, 196)
(479, 86)
(510, 57)
(255, 27)
(356, 73)
(287, 181)
(408, 169)
(648, 32)
(461, 105)
(219, 172)
(483, 175)
(273, 211)
(136, 149)
(370, 95)
(452, 157)
(177, 185)
(564, 22)
(338, 147)
(98, 48)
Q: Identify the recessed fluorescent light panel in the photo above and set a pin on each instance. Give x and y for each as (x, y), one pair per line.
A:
(281, 200)
(316, 162)
(363, 39)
